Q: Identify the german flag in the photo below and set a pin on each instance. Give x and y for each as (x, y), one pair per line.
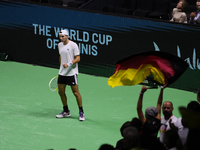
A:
(133, 70)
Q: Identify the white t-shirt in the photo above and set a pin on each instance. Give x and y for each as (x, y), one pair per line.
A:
(67, 53)
(179, 124)
(165, 126)
(182, 132)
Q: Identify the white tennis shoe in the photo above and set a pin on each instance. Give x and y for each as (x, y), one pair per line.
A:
(81, 116)
(63, 114)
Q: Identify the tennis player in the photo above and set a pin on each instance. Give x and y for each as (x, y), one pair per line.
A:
(69, 58)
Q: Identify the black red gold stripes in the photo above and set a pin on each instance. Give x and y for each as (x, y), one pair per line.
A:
(132, 70)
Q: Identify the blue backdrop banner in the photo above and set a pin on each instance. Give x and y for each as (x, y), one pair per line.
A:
(30, 34)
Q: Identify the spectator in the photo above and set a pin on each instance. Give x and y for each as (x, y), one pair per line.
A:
(181, 126)
(131, 138)
(195, 16)
(120, 145)
(171, 139)
(150, 129)
(167, 110)
(191, 118)
(178, 13)
(139, 105)
(135, 122)
(151, 124)
(106, 147)
(193, 106)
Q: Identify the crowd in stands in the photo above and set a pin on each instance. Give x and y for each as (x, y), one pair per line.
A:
(141, 133)
(181, 11)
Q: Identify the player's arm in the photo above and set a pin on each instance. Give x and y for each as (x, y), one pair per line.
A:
(76, 59)
(76, 52)
(139, 105)
(159, 102)
(59, 59)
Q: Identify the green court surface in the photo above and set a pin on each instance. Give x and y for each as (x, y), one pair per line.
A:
(28, 109)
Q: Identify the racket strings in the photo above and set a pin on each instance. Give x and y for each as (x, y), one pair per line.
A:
(53, 85)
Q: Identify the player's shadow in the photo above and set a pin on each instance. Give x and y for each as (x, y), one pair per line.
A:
(48, 113)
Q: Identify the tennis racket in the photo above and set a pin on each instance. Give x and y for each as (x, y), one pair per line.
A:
(53, 85)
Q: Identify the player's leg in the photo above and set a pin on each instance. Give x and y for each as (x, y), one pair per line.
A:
(77, 94)
(61, 92)
(63, 97)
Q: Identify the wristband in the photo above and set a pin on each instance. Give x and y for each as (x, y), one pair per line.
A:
(141, 93)
(69, 64)
(161, 87)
